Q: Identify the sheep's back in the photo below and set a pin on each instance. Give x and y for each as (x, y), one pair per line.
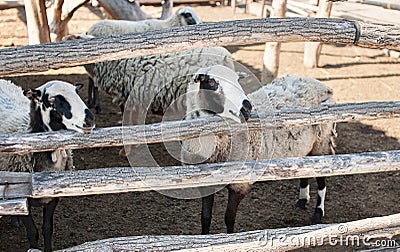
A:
(114, 27)
(290, 92)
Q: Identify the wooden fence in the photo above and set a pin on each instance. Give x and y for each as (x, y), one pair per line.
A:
(16, 187)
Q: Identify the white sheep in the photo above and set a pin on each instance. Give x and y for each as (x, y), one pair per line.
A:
(51, 107)
(184, 16)
(289, 91)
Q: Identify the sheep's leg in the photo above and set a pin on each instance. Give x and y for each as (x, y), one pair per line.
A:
(304, 195)
(90, 92)
(234, 198)
(96, 97)
(319, 209)
(47, 229)
(206, 213)
(16, 221)
(31, 230)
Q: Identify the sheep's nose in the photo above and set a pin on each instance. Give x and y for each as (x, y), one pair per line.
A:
(246, 109)
(89, 119)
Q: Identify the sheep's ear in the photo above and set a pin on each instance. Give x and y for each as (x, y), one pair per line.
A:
(78, 87)
(32, 93)
(199, 78)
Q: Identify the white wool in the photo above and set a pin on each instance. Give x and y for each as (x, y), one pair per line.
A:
(14, 109)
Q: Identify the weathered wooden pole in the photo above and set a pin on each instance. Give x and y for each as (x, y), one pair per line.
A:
(312, 50)
(60, 14)
(167, 6)
(272, 49)
(38, 28)
(124, 10)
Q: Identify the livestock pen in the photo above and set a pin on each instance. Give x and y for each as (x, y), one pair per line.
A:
(121, 180)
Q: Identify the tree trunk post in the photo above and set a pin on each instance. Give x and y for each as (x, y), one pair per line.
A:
(272, 49)
(312, 50)
(124, 10)
(38, 28)
(167, 6)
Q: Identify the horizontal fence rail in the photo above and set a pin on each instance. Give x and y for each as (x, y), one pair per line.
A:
(14, 207)
(128, 179)
(78, 52)
(181, 130)
(282, 239)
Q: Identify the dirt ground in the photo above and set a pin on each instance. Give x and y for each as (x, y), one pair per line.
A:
(355, 74)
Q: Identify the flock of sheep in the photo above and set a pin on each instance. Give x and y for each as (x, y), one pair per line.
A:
(149, 85)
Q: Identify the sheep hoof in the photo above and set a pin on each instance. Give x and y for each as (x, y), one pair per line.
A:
(317, 216)
(300, 205)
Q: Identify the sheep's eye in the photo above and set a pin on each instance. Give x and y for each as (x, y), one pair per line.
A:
(212, 83)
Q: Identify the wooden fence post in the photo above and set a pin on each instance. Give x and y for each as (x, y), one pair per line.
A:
(38, 28)
(312, 50)
(272, 49)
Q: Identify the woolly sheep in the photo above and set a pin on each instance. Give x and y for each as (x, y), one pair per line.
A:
(289, 91)
(51, 107)
(184, 16)
(152, 83)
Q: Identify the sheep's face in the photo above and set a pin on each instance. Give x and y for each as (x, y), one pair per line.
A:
(56, 105)
(188, 16)
(220, 93)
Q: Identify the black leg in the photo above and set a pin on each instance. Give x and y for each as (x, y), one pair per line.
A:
(319, 209)
(31, 230)
(48, 212)
(97, 100)
(206, 213)
(234, 199)
(90, 92)
(304, 195)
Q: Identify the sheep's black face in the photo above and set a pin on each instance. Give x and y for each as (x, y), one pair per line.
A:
(211, 101)
(188, 16)
(245, 111)
(56, 106)
(220, 93)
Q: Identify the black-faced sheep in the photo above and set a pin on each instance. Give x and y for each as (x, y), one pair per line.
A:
(289, 91)
(51, 107)
(152, 83)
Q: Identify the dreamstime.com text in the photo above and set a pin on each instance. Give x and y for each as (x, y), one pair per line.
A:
(339, 238)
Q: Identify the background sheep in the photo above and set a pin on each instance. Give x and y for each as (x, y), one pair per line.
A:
(51, 107)
(184, 16)
(289, 91)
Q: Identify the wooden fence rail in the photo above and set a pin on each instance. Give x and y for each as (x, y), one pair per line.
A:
(129, 179)
(181, 130)
(77, 52)
(282, 239)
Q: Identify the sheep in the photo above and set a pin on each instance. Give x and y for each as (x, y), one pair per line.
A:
(152, 82)
(184, 16)
(51, 107)
(289, 91)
